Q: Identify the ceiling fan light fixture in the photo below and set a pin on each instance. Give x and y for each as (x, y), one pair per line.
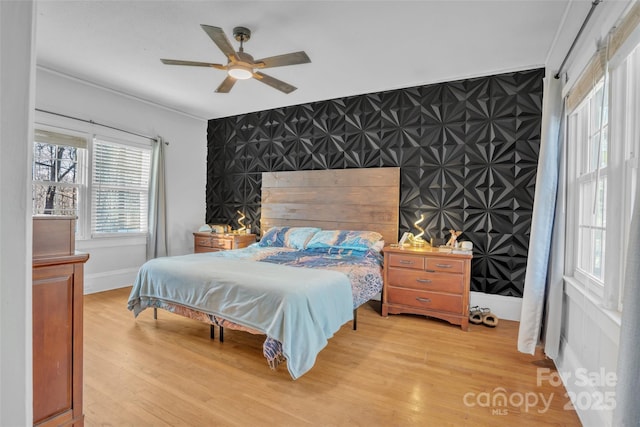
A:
(240, 72)
(241, 65)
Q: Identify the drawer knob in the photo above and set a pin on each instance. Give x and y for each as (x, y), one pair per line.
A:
(404, 261)
(423, 299)
(444, 265)
(423, 280)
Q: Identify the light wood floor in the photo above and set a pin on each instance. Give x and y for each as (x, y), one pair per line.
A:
(398, 371)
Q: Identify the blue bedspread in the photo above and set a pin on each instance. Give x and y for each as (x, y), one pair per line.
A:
(299, 307)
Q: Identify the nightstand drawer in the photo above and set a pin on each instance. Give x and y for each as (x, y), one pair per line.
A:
(203, 241)
(406, 261)
(201, 249)
(422, 280)
(214, 242)
(425, 300)
(221, 243)
(445, 265)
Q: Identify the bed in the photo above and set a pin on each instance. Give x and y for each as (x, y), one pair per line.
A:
(318, 261)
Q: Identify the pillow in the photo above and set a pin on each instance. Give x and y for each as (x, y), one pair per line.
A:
(288, 237)
(378, 246)
(344, 239)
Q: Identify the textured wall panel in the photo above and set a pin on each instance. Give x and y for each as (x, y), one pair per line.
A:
(468, 152)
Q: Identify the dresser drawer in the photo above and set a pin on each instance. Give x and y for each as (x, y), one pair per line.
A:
(445, 265)
(425, 300)
(426, 281)
(406, 261)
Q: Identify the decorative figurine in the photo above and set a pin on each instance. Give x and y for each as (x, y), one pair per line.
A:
(454, 237)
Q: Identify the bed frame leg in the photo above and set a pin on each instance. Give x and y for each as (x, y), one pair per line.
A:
(155, 313)
(355, 319)
(212, 333)
(221, 333)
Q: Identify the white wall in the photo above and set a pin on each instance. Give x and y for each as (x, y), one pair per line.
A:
(114, 262)
(588, 346)
(16, 106)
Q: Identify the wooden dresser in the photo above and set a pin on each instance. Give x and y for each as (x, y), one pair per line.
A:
(57, 322)
(213, 242)
(426, 281)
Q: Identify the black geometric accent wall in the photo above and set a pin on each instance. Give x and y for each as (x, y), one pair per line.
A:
(468, 153)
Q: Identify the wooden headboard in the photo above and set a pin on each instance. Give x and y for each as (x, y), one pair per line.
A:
(337, 199)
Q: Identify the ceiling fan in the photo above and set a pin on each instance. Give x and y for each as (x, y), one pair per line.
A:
(241, 65)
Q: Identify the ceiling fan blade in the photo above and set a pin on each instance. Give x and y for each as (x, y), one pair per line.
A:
(193, 63)
(220, 39)
(273, 82)
(281, 60)
(226, 85)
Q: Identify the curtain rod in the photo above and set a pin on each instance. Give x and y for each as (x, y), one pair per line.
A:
(594, 4)
(99, 124)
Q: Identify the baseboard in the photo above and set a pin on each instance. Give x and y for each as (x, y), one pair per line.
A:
(108, 280)
(504, 307)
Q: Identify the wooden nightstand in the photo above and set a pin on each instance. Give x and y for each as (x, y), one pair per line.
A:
(212, 242)
(426, 281)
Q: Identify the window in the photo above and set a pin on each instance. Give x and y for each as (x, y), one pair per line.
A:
(588, 139)
(603, 135)
(103, 181)
(120, 188)
(58, 179)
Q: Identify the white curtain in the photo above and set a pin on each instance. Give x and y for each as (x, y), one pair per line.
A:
(157, 238)
(547, 230)
(555, 276)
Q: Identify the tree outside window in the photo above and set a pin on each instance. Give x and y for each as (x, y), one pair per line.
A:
(57, 174)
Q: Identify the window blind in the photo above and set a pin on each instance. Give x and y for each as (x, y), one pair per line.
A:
(55, 138)
(626, 29)
(120, 186)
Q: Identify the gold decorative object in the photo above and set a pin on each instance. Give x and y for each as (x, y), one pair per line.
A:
(418, 240)
(242, 217)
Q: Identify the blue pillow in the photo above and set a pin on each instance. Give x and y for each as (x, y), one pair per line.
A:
(288, 237)
(344, 239)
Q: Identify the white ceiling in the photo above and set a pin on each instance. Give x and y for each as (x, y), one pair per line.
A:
(355, 47)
